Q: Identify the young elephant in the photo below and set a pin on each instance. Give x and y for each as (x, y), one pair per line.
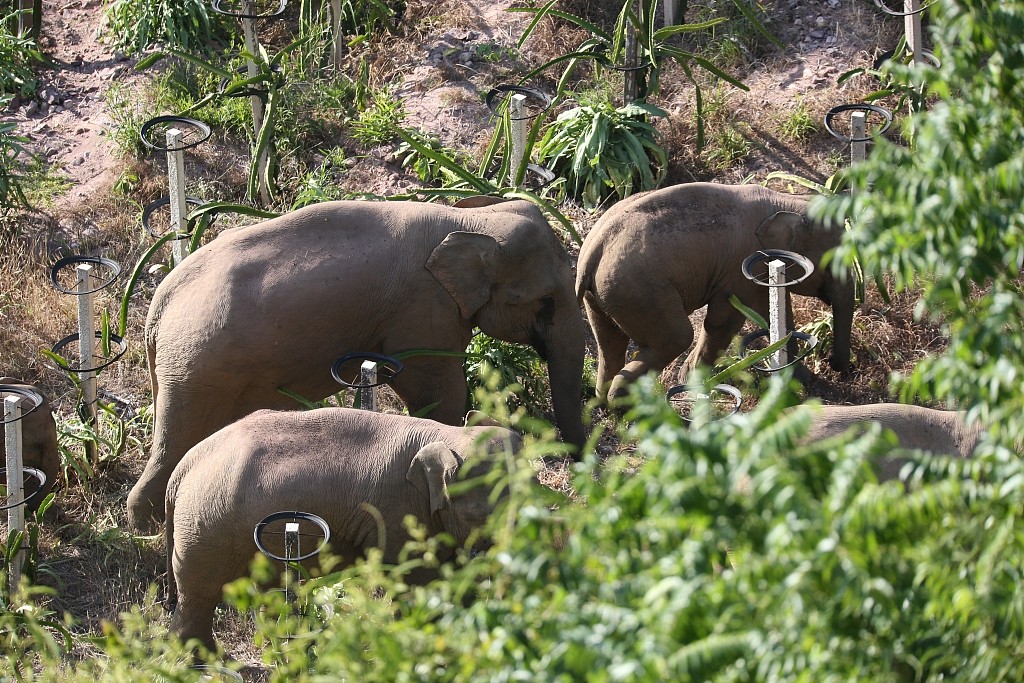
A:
(337, 463)
(38, 438)
(656, 257)
(942, 432)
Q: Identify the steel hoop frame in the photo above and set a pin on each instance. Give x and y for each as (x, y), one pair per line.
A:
(194, 123)
(721, 388)
(35, 473)
(861, 106)
(763, 255)
(257, 534)
(365, 355)
(59, 346)
(34, 396)
(113, 266)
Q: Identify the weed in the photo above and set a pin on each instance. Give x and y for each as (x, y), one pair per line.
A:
(798, 123)
(378, 123)
(727, 147)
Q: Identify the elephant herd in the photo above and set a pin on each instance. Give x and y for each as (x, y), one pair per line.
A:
(262, 311)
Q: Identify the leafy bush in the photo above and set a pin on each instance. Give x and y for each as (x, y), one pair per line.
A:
(17, 57)
(513, 369)
(603, 150)
(949, 220)
(12, 195)
(135, 25)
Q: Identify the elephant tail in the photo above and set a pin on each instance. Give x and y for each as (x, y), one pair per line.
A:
(586, 267)
(172, 587)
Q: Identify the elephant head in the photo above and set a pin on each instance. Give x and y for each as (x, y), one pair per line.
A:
(794, 231)
(38, 439)
(431, 472)
(517, 286)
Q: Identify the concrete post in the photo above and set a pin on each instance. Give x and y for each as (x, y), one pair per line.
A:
(176, 187)
(517, 132)
(87, 351)
(777, 323)
(15, 483)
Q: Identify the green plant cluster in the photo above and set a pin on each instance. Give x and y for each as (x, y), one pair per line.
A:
(135, 25)
(605, 151)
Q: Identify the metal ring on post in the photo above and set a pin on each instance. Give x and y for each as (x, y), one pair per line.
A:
(218, 7)
(147, 214)
(495, 106)
(112, 266)
(35, 397)
(728, 389)
(201, 129)
(767, 255)
(115, 339)
(261, 528)
(32, 472)
(873, 108)
(896, 13)
(393, 365)
(809, 339)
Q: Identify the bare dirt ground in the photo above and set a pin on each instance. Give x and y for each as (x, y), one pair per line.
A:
(442, 73)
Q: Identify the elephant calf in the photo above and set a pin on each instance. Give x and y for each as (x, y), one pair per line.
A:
(942, 432)
(38, 439)
(336, 463)
(656, 257)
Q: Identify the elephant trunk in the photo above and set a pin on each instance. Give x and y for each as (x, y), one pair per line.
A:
(564, 343)
(841, 295)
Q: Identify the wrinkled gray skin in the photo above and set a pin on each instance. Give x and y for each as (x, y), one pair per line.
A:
(331, 462)
(655, 258)
(272, 305)
(942, 432)
(38, 439)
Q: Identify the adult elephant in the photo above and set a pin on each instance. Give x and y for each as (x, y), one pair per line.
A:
(655, 258)
(270, 306)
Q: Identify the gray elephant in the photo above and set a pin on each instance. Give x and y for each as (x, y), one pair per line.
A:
(38, 438)
(942, 432)
(270, 306)
(656, 257)
(340, 464)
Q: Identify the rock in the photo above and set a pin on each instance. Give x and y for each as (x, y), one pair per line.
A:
(817, 34)
(32, 108)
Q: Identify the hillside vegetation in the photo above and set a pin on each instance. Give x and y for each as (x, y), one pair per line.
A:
(728, 550)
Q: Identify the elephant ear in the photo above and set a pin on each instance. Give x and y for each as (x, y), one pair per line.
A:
(781, 230)
(430, 471)
(461, 264)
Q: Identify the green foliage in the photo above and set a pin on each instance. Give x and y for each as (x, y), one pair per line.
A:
(945, 215)
(727, 146)
(12, 193)
(603, 151)
(191, 25)
(378, 124)
(514, 369)
(654, 46)
(798, 123)
(18, 56)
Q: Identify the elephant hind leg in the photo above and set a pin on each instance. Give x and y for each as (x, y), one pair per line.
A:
(721, 325)
(612, 343)
(193, 617)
